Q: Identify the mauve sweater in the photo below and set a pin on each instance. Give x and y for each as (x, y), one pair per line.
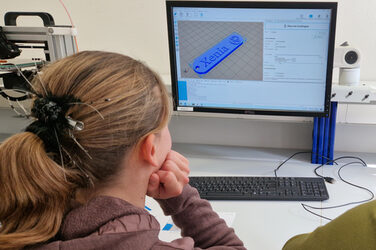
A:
(111, 223)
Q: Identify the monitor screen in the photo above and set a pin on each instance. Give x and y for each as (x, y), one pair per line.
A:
(272, 58)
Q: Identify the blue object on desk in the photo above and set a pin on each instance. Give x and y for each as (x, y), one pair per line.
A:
(333, 118)
(315, 139)
(167, 227)
(326, 140)
(323, 137)
(321, 140)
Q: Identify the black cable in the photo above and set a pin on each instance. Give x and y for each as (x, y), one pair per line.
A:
(354, 185)
(302, 152)
(347, 182)
(304, 206)
(330, 179)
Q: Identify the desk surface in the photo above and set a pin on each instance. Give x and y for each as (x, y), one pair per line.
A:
(268, 225)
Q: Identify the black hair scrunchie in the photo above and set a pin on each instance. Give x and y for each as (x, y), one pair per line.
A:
(51, 124)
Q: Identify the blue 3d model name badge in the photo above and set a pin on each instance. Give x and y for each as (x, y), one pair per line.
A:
(211, 58)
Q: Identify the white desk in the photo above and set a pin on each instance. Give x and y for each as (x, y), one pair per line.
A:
(267, 225)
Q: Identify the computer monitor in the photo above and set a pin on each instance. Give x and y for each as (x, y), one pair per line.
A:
(270, 58)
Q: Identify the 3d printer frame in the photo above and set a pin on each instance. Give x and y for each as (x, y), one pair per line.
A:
(56, 42)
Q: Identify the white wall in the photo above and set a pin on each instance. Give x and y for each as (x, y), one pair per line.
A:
(138, 28)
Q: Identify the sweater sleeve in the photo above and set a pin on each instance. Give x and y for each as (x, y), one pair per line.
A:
(353, 230)
(197, 220)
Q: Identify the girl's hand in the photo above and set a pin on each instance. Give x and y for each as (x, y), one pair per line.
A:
(170, 179)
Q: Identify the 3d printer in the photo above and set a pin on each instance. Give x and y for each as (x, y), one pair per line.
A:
(55, 41)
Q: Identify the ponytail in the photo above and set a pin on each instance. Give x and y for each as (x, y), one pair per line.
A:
(34, 192)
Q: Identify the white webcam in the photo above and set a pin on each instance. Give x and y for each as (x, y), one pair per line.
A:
(346, 56)
(347, 59)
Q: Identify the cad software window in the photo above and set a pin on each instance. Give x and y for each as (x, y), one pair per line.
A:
(266, 59)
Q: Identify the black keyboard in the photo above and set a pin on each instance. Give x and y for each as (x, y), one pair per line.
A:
(260, 188)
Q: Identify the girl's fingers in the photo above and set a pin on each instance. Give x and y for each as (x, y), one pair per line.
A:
(154, 184)
(171, 186)
(180, 161)
(180, 174)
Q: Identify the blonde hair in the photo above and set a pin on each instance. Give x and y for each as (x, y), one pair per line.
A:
(120, 102)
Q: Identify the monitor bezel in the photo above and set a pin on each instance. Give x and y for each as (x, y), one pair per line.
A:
(276, 5)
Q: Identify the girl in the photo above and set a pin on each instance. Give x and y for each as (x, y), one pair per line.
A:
(78, 176)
